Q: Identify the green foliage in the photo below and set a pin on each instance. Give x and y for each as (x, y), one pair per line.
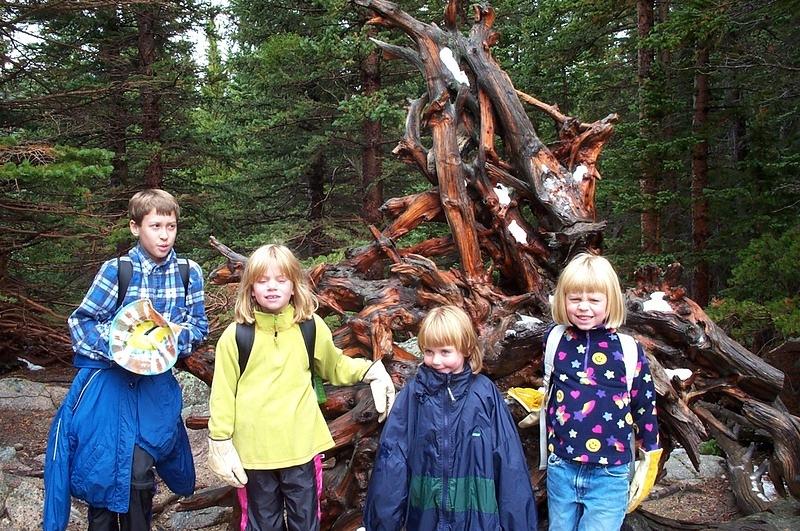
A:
(710, 447)
(764, 290)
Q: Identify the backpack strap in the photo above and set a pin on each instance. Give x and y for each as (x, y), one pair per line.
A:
(553, 339)
(630, 354)
(125, 272)
(183, 269)
(245, 336)
(309, 330)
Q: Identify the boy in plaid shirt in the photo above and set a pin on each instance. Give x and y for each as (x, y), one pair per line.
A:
(115, 426)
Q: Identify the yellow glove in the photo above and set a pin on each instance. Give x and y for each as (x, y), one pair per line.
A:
(644, 477)
(531, 400)
(382, 387)
(223, 460)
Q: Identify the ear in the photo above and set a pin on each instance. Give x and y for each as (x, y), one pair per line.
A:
(134, 228)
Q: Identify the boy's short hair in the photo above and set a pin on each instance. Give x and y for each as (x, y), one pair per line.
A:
(589, 273)
(281, 258)
(144, 202)
(450, 325)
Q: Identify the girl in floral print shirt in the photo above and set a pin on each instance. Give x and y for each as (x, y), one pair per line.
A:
(592, 419)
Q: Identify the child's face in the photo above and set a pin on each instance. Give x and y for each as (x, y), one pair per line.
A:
(587, 310)
(273, 290)
(156, 234)
(445, 359)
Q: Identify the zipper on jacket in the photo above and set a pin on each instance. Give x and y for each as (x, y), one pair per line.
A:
(445, 449)
(85, 387)
(55, 444)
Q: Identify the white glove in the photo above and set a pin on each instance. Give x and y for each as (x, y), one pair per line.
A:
(644, 477)
(223, 460)
(382, 388)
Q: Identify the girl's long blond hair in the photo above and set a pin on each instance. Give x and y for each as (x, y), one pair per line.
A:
(450, 325)
(589, 273)
(282, 259)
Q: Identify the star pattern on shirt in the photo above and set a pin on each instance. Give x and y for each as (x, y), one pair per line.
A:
(573, 434)
(581, 349)
(608, 416)
(576, 364)
(570, 450)
(621, 423)
(563, 377)
(609, 374)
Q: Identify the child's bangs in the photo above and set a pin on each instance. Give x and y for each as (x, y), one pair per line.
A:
(438, 334)
(585, 280)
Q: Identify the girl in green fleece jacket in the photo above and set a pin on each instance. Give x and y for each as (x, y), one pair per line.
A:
(266, 431)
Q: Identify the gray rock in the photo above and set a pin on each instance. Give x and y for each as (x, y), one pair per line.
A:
(200, 519)
(24, 505)
(22, 395)
(7, 454)
(680, 468)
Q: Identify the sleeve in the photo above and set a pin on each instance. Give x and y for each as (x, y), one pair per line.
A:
(222, 401)
(195, 323)
(89, 323)
(387, 493)
(643, 404)
(331, 364)
(516, 505)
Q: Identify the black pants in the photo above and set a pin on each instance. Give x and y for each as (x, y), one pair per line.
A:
(140, 510)
(269, 492)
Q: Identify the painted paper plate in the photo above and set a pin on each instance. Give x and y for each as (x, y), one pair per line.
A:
(142, 341)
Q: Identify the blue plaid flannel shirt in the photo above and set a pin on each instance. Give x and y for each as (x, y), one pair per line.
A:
(161, 283)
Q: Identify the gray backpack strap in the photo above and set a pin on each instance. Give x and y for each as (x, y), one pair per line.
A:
(630, 356)
(553, 339)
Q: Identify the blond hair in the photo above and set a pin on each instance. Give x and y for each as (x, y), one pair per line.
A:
(450, 325)
(144, 202)
(588, 273)
(281, 259)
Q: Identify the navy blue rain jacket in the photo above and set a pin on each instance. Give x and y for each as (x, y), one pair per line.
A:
(450, 458)
(90, 446)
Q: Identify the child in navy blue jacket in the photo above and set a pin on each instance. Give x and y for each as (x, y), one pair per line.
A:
(450, 455)
(593, 414)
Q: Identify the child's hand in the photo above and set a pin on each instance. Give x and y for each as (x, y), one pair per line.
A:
(382, 389)
(223, 460)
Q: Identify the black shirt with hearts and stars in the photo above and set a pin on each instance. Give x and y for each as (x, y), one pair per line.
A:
(591, 414)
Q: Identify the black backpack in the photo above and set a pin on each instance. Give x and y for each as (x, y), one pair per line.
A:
(246, 334)
(125, 272)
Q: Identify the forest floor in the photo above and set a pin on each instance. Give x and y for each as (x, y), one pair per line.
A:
(707, 501)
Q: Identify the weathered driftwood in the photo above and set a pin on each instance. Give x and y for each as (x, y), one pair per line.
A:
(517, 210)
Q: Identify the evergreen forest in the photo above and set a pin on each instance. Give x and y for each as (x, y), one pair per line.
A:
(275, 120)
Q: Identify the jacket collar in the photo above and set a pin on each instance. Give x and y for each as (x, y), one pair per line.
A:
(147, 263)
(275, 322)
(432, 382)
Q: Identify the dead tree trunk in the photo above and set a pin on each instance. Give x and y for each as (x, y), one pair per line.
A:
(516, 215)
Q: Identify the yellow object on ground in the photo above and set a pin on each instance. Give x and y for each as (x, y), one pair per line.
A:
(644, 477)
(531, 399)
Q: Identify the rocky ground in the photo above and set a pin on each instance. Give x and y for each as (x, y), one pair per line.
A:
(28, 400)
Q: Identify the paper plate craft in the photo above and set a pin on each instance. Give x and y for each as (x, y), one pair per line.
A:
(142, 341)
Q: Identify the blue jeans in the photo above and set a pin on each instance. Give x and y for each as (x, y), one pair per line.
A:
(586, 497)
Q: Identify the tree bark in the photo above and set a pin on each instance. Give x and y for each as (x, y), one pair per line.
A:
(700, 232)
(649, 163)
(371, 157)
(146, 19)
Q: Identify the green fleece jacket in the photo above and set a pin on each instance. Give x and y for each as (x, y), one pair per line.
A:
(271, 411)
